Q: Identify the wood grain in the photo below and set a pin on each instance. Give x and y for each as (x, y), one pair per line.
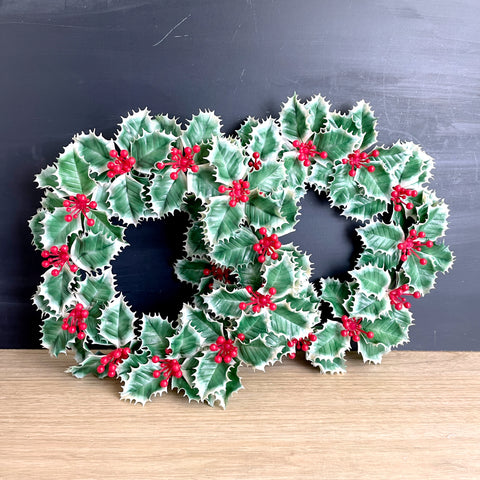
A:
(414, 416)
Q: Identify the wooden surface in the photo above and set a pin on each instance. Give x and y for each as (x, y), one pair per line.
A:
(414, 416)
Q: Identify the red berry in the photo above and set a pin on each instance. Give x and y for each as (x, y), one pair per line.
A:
(155, 359)
(371, 168)
(213, 347)
(423, 261)
(174, 175)
(227, 358)
(272, 291)
(375, 153)
(292, 355)
(242, 306)
(323, 155)
(124, 153)
(352, 173)
(164, 383)
(409, 205)
(196, 148)
(429, 244)
(274, 255)
(218, 359)
(417, 294)
(272, 307)
(241, 337)
(220, 340)
(263, 231)
(261, 258)
(156, 373)
(355, 338)
(90, 222)
(100, 369)
(370, 334)
(398, 208)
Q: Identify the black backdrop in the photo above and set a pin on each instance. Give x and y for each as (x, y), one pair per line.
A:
(73, 65)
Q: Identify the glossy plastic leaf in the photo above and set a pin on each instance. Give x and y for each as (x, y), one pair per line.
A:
(285, 321)
(377, 184)
(116, 324)
(269, 177)
(224, 303)
(95, 150)
(280, 274)
(261, 211)
(236, 251)
(329, 344)
(381, 236)
(202, 323)
(73, 172)
(210, 377)
(167, 194)
(266, 140)
(141, 385)
(335, 293)
(294, 120)
(244, 133)
(57, 291)
(185, 342)
(228, 160)
(54, 337)
(318, 108)
(95, 250)
(201, 128)
(56, 230)
(191, 269)
(256, 354)
(222, 220)
(369, 307)
(155, 333)
(253, 325)
(372, 280)
(134, 126)
(125, 198)
(337, 142)
(149, 149)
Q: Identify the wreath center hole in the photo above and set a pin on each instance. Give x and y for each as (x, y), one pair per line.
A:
(144, 270)
(327, 236)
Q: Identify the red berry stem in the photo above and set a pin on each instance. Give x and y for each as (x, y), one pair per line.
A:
(58, 257)
(255, 163)
(267, 246)
(113, 359)
(397, 297)
(74, 322)
(399, 194)
(302, 344)
(121, 164)
(181, 161)
(169, 367)
(79, 204)
(259, 301)
(359, 159)
(413, 245)
(353, 328)
(307, 150)
(239, 192)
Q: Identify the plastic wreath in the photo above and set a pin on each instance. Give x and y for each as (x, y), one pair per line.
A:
(254, 303)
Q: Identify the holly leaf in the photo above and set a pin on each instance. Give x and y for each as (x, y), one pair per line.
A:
(202, 323)
(210, 377)
(294, 120)
(149, 149)
(125, 199)
(103, 226)
(265, 139)
(343, 188)
(362, 121)
(73, 172)
(141, 386)
(201, 128)
(335, 293)
(194, 243)
(436, 223)
(55, 338)
(336, 365)
(244, 133)
(365, 306)
(37, 229)
(222, 220)
(271, 175)
(372, 280)
(57, 291)
(318, 109)
(416, 170)
(378, 236)
(228, 160)
(237, 250)
(262, 211)
(288, 322)
(167, 194)
(155, 332)
(280, 274)
(337, 142)
(379, 259)
(296, 172)
(330, 345)
(377, 184)
(289, 209)
(95, 150)
(250, 274)
(116, 323)
(321, 175)
(253, 325)
(134, 126)
(48, 177)
(186, 341)
(203, 183)
(224, 303)
(87, 367)
(56, 230)
(364, 208)
(256, 354)
(95, 250)
(167, 125)
(191, 269)
(395, 157)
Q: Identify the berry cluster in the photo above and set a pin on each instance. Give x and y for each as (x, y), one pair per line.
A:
(169, 367)
(399, 194)
(218, 273)
(267, 246)
(123, 163)
(181, 161)
(225, 348)
(239, 192)
(258, 300)
(397, 297)
(307, 150)
(359, 159)
(79, 204)
(255, 163)
(113, 359)
(76, 320)
(413, 245)
(302, 344)
(353, 328)
(58, 257)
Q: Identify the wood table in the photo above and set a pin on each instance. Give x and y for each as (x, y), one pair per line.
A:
(415, 416)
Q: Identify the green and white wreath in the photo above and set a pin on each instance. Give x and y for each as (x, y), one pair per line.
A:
(254, 302)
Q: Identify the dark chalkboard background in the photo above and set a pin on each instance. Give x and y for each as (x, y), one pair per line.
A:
(73, 65)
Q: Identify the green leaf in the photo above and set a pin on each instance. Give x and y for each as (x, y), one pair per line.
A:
(116, 324)
(436, 222)
(294, 120)
(250, 275)
(167, 194)
(57, 291)
(289, 209)
(379, 259)
(372, 280)
(134, 126)
(48, 177)
(266, 140)
(134, 360)
(271, 175)
(296, 172)
(57, 230)
(88, 367)
(167, 125)
(191, 269)
(343, 188)
(337, 365)
(95, 250)
(201, 128)
(244, 133)
(54, 338)
(363, 122)
(210, 377)
(228, 159)
(51, 201)
(195, 244)
(263, 211)
(37, 229)
(155, 333)
(185, 342)
(395, 157)
(416, 170)
(364, 208)
(368, 307)
(125, 198)
(256, 354)
(321, 174)
(439, 255)
(377, 184)
(224, 303)
(329, 344)
(381, 236)
(280, 274)
(252, 325)
(335, 293)
(285, 321)
(208, 328)
(149, 149)
(73, 172)
(203, 183)
(186, 382)
(103, 226)
(141, 385)
(222, 220)
(318, 108)
(95, 150)
(237, 250)
(337, 142)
